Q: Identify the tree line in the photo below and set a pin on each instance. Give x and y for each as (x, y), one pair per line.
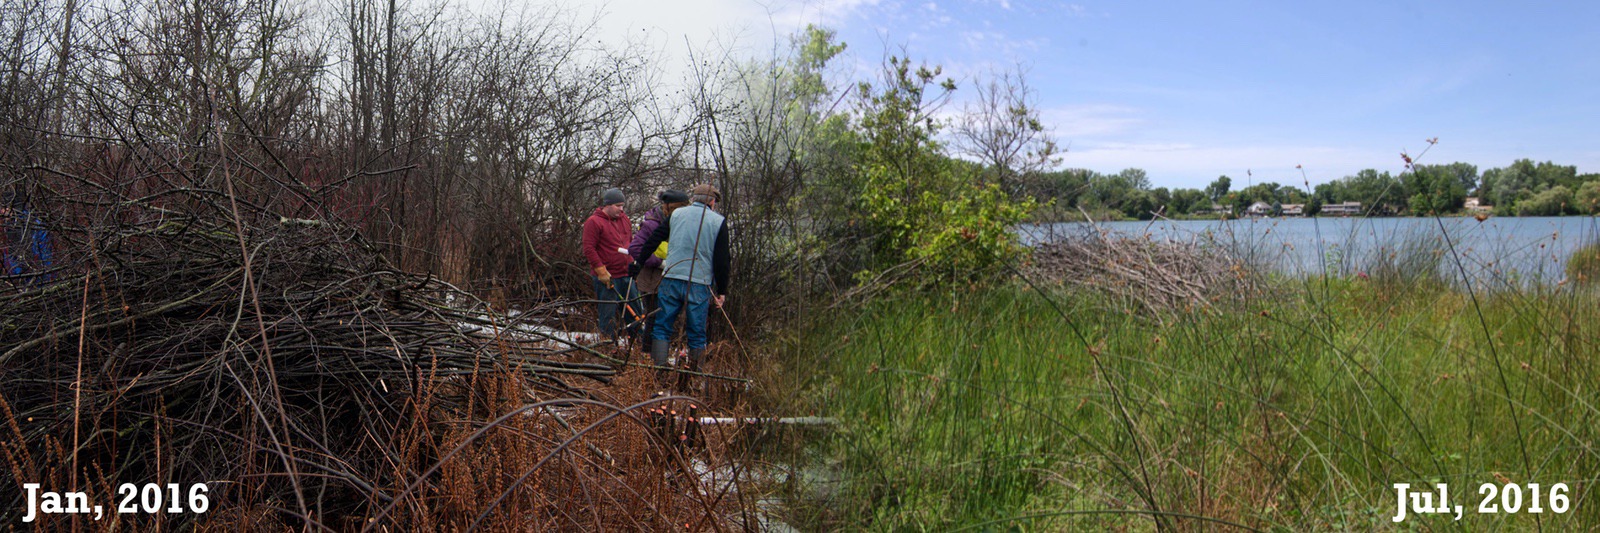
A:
(1523, 188)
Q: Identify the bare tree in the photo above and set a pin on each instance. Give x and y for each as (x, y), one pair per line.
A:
(1002, 130)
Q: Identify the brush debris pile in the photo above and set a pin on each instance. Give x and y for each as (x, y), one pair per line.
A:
(1153, 276)
(286, 367)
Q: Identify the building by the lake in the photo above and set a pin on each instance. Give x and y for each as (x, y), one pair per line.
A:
(1476, 205)
(1342, 209)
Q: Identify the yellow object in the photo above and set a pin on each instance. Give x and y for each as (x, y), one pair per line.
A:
(661, 251)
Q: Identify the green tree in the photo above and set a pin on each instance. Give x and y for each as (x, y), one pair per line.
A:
(917, 202)
(1065, 187)
(1548, 174)
(1378, 192)
(1554, 201)
(1332, 192)
(1184, 201)
(816, 47)
(1108, 191)
(1587, 199)
(1138, 204)
(1219, 188)
(1502, 187)
(1134, 178)
(1463, 174)
(1505, 187)
(1238, 202)
(1272, 193)
(1161, 199)
(1434, 190)
(1313, 205)
(815, 145)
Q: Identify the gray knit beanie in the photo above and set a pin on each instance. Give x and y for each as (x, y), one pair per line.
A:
(611, 196)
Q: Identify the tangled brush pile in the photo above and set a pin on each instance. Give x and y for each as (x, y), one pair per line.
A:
(280, 360)
(1155, 277)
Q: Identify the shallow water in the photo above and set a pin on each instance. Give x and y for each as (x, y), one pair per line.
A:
(1497, 251)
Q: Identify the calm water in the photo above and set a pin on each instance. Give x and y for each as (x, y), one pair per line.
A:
(1500, 250)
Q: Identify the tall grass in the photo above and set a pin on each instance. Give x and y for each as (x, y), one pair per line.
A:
(1583, 267)
(1012, 407)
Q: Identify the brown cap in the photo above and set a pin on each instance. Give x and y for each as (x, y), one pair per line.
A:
(707, 189)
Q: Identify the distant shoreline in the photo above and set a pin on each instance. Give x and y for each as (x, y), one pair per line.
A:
(1100, 217)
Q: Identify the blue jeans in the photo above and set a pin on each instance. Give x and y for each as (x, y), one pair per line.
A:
(622, 291)
(694, 300)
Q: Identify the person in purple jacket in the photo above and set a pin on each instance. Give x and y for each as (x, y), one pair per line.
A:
(648, 274)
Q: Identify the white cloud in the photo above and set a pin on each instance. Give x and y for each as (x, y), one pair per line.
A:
(751, 25)
(1003, 4)
(678, 32)
(1000, 44)
(933, 17)
(699, 22)
(797, 13)
(979, 40)
(1090, 120)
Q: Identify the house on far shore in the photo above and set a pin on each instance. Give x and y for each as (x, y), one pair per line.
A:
(1294, 210)
(1259, 209)
(1343, 209)
(1474, 205)
(1213, 210)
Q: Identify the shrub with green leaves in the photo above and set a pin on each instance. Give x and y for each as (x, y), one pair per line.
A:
(1555, 201)
(1588, 198)
(916, 202)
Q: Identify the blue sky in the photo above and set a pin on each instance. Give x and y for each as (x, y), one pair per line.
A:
(1189, 91)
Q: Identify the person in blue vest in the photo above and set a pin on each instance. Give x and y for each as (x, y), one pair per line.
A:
(647, 275)
(25, 251)
(696, 272)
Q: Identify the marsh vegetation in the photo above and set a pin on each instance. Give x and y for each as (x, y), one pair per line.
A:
(1051, 404)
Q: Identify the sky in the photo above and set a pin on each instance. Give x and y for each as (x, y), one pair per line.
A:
(1189, 91)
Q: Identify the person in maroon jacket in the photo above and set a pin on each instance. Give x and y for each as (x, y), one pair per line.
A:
(605, 245)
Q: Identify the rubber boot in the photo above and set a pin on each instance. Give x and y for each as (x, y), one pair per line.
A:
(658, 356)
(658, 352)
(685, 381)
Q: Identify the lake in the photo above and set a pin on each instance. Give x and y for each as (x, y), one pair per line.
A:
(1497, 251)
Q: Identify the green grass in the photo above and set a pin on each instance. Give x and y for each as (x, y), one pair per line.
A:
(1583, 267)
(1007, 409)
